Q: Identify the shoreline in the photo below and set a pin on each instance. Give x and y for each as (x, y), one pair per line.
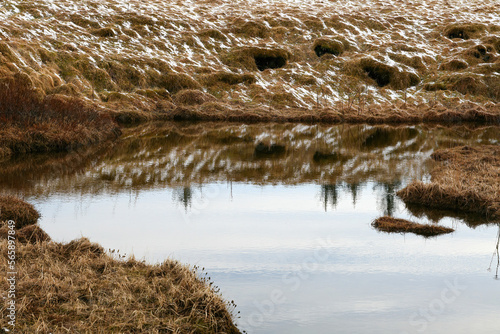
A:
(84, 288)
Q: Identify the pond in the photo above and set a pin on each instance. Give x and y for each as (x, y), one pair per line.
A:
(279, 217)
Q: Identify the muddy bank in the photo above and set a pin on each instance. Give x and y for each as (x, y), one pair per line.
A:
(85, 289)
(466, 179)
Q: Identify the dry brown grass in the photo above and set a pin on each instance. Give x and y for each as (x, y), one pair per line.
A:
(467, 179)
(327, 45)
(26, 234)
(192, 97)
(78, 288)
(397, 225)
(35, 122)
(12, 208)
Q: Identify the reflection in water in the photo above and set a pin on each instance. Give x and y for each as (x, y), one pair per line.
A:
(329, 195)
(497, 253)
(354, 189)
(155, 156)
(184, 196)
(387, 200)
(436, 215)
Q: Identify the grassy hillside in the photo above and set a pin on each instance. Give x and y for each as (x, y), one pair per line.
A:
(348, 61)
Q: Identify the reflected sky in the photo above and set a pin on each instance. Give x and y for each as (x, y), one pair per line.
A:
(293, 247)
(330, 267)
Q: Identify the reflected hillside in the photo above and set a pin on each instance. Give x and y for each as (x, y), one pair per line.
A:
(177, 155)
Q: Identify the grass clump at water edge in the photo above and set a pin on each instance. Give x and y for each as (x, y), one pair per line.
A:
(467, 180)
(397, 225)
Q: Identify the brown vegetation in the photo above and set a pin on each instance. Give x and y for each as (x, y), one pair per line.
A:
(397, 225)
(192, 97)
(256, 58)
(384, 74)
(26, 234)
(332, 46)
(464, 30)
(467, 179)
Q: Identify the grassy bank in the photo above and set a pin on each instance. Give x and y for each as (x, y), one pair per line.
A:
(33, 121)
(466, 179)
(68, 71)
(77, 287)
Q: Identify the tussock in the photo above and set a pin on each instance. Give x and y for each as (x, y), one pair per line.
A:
(104, 32)
(12, 208)
(192, 97)
(256, 58)
(383, 74)
(328, 45)
(467, 179)
(26, 234)
(397, 225)
(228, 78)
(250, 28)
(174, 82)
(468, 84)
(454, 65)
(464, 30)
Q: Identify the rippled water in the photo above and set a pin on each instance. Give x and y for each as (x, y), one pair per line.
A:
(286, 235)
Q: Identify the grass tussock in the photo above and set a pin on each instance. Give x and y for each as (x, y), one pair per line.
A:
(256, 58)
(192, 97)
(228, 78)
(26, 234)
(397, 225)
(22, 213)
(464, 30)
(382, 74)
(454, 65)
(467, 179)
(325, 45)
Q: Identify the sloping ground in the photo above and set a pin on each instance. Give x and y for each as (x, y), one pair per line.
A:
(354, 61)
(467, 179)
(77, 287)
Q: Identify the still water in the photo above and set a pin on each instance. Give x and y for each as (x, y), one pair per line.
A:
(284, 227)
